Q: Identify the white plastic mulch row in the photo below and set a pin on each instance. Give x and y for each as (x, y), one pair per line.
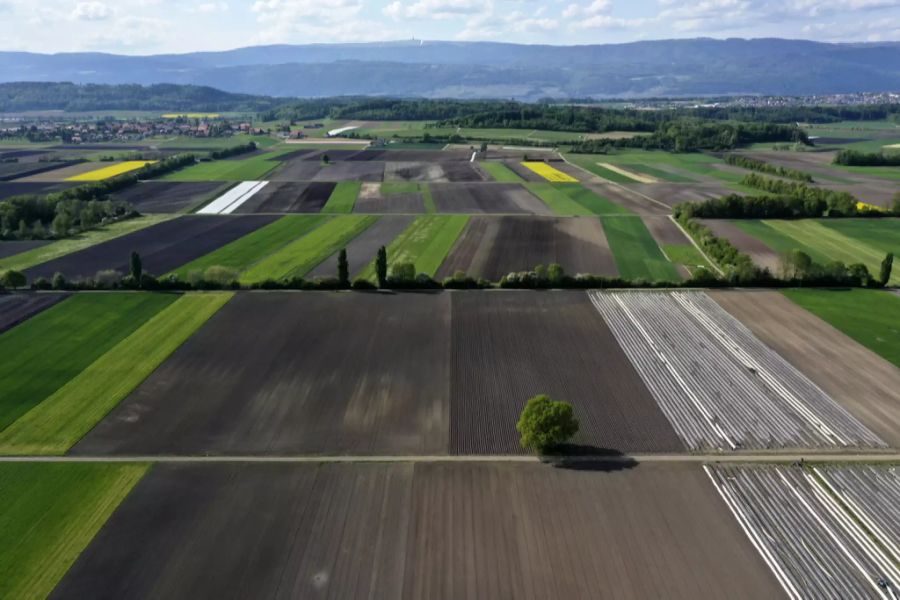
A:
(228, 202)
(826, 532)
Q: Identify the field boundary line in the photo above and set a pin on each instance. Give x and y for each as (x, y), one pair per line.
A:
(694, 243)
(707, 458)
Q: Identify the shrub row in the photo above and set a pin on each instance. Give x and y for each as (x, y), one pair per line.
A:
(754, 164)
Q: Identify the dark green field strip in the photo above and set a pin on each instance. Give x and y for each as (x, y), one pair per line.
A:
(658, 173)
(776, 240)
(298, 257)
(500, 172)
(51, 512)
(871, 317)
(343, 198)
(882, 234)
(425, 243)
(636, 253)
(57, 423)
(244, 252)
(590, 163)
(45, 352)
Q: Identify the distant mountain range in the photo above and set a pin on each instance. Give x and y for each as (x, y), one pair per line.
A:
(491, 70)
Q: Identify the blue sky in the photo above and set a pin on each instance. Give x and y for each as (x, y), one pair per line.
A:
(157, 26)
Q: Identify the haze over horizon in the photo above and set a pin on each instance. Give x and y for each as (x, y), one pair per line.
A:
(162, 26)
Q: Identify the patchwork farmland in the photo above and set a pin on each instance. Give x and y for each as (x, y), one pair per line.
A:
(262, 439)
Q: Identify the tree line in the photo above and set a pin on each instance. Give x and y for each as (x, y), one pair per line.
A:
(754, 164)
(854, 158)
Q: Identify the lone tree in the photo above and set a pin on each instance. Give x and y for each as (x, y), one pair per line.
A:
(546, 423)
(343, 268)
(381, 267)
(137, 267)
(886, 266)
(12, 279)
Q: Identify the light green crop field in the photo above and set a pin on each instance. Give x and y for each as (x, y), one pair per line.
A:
(636, 253)
(881, 234)
(425, 243)
(248, 250)
(824, 241)
(589, 163)
(390, 188)
(687, 256)
(658, 173)
(247, 169)
(500, 172)
(37, 256)
(343, 198)
(45, 352)
(892, 173)
(554, 196)
(51, 512)
(871, 317)
(57, 423)
(298, 257)
(595, 203)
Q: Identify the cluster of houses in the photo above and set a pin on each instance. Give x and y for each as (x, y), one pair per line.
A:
(81, 132)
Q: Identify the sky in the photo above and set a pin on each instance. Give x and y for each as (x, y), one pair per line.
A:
(164, 26)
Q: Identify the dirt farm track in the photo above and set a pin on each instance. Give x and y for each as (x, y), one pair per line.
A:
(420, 531)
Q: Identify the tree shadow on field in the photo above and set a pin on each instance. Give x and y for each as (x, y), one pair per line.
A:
(581, 457)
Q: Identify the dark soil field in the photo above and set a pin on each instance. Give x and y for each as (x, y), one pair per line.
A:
(351, 171)
(167, 196)
(665, 231)
(489, 198)
(438, 172)
(508, 347)
(412, 531)
(15, 308)
(296, 169)
(492, 247)
(284, 197)
(10, 171)
(361, 250)
(162, 247)
(295, 373)
(18, 188)
(425, 156)
(12, 248)
(630, 199)
(371, 201)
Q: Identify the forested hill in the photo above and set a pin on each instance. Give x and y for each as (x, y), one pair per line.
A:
(493, 70)
(17, 97)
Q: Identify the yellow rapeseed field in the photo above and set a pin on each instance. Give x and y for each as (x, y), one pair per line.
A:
(548, 172)
(111, 170)
(867, 206)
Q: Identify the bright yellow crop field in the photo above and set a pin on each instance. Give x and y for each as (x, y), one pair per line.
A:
(549, 173)
(111, 171)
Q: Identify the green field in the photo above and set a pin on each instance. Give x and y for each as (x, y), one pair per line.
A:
(636, 253)
(658, 173)
(343, 198)
(500, 172)
(51, 512)
(45, 352)
(25, 260)
(573, 199)
(871, 317)
(825, 240)
(57, 423)
(687, 256)
(237, 169)
(298, 257)
(246, 251)
(425, 243)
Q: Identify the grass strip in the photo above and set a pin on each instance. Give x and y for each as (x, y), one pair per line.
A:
(593, 202)
(425, 243)
(637, 254)
(297, 258)
(555, 196)
(871, 317)
(776, 240)
(42, 254)
(343, 198)
(687, 256)
(881, 234)
(45, 352)
(658, 173)
(390, 188)
(254, 168)
(428, 199)
(51, 512)
(246, 251)
(57, 423)
(500, 172)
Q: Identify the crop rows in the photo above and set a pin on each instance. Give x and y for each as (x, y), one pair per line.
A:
(719, 386)
(828, 532)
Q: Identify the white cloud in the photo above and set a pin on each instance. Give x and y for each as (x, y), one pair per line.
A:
(433, 9)
(92, 11)
(210, 8)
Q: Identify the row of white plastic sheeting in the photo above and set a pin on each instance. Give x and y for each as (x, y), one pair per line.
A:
(228, 202)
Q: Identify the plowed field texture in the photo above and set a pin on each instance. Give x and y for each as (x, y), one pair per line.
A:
(412, 531)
